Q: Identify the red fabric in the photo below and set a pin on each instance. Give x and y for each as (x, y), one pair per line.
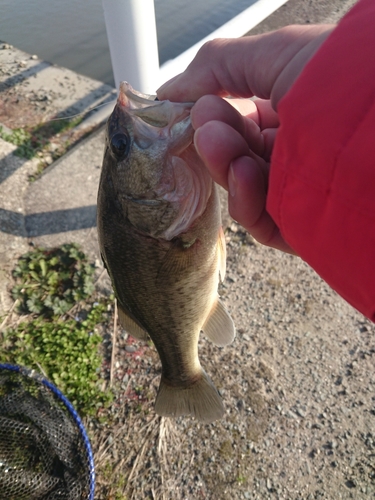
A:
(322, 181)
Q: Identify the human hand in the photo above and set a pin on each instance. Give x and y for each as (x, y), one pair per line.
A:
(236, 140)
(265, 65)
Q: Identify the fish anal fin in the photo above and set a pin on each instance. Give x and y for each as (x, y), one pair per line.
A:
(201, 400)
(130, 325)
(219, 326)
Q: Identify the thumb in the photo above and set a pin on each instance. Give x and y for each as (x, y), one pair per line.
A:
(246, 66)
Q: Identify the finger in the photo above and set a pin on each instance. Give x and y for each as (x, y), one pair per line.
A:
(246, 107)
(258, 110)
(213, 108)
(269, 136)
(205, 75)
(218, 144)
(247, 202)
(265, 116)
(243, 67)
(267, 119)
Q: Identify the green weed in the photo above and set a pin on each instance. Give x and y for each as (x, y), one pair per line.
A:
(66, 349)
(32, 140)
(27, 144)
(51, 281)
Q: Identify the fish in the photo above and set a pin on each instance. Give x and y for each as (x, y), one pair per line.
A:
(162, 243)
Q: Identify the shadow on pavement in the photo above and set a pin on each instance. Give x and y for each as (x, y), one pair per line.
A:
(44, 223)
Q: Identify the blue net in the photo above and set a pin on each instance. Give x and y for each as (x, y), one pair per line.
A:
(45, 453)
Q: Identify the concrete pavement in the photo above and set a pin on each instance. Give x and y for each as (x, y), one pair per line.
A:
(60, 206)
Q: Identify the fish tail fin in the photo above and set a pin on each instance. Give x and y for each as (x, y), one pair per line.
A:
(200, 400)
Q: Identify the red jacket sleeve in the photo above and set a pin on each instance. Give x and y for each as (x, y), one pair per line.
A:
(322, 180)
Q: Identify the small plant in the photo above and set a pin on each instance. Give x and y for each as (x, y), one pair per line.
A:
(32, 140)
(116, 481)
(67, 352)
(51, 281)
(20, 137)
(65, 349)
(241, 479)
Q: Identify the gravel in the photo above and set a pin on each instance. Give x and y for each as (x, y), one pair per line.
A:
(298, 386)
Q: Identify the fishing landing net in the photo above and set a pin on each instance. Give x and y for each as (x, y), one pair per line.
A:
(45, 453)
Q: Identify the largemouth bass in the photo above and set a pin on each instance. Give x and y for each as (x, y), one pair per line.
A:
(160, 237)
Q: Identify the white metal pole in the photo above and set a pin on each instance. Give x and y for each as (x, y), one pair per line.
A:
(131, 32)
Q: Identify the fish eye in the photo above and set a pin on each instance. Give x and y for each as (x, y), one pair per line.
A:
(119, 145)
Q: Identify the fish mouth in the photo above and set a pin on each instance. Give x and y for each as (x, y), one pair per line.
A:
(159, 114)
(127, 91)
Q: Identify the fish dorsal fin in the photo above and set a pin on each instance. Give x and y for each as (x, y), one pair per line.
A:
(130, 325)
(222, 254)
(219, 326)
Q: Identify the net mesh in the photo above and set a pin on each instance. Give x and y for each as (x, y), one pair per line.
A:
(43, 454)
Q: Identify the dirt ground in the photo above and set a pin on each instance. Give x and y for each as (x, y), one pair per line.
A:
(298, 386)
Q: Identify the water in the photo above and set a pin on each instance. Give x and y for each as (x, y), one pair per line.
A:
(72, 33)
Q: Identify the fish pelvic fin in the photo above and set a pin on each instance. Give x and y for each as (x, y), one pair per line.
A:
(219, 326)
(201, 400)
(130, 325)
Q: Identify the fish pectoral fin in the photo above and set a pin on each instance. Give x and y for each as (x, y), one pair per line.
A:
(130, 325)
(219, 326)
(222, 254)
(179, 257)
(200, 399)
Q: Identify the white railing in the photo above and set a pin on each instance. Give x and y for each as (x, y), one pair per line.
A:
(131, 31)
(133, 45)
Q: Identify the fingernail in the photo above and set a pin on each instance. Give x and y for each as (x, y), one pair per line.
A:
(232, 181)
